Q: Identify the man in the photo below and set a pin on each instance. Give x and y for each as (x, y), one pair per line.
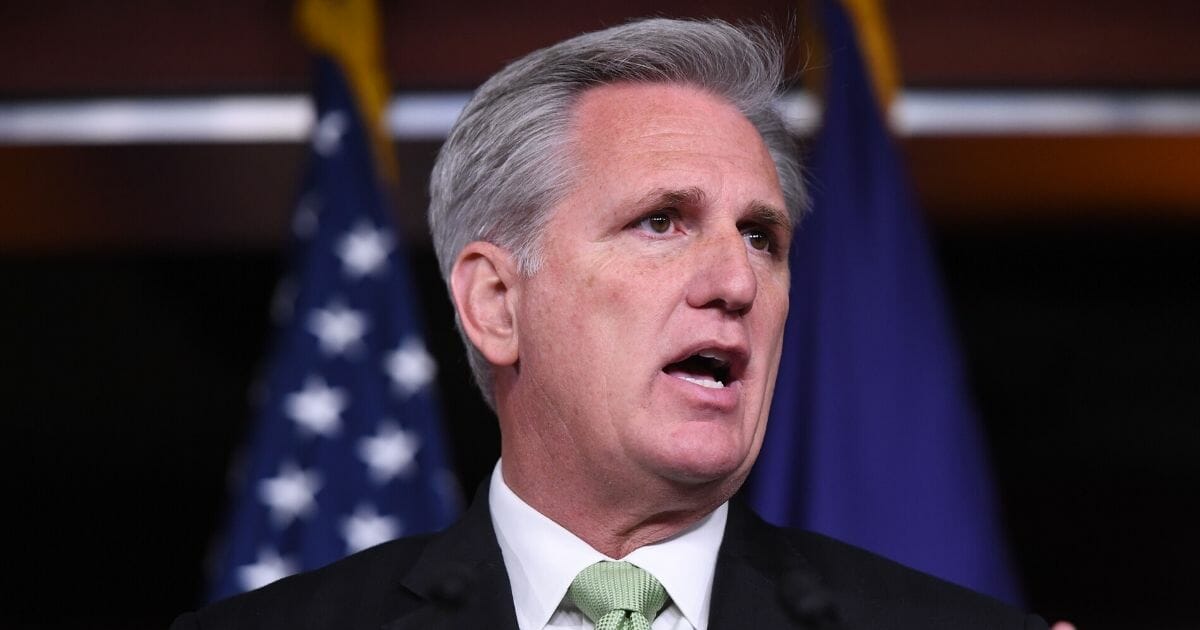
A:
(612, 216)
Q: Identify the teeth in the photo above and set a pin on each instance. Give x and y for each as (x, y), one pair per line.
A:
(702, 382)
(712, 354)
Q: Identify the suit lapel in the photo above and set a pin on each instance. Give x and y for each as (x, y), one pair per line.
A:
(460, 579)
(761, 580)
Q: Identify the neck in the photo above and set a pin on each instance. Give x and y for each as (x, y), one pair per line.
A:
(613, 506)
(603, 512)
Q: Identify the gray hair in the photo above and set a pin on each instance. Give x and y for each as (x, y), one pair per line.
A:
(507, 161)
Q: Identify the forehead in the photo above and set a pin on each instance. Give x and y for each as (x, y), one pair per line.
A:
(631, 138)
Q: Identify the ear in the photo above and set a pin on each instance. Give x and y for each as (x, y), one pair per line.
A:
(483, 283)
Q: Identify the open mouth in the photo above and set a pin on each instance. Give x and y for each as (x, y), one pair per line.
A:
(705, 368)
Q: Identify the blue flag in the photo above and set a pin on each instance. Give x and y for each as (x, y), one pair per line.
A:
(873, 439)
(347, 452)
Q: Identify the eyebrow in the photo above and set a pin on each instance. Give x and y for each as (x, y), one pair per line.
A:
(691, 196)
(769, 216)
(759, 212)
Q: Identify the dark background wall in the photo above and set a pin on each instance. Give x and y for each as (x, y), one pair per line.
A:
(135, 281)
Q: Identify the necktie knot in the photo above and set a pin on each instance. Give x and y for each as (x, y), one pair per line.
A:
(617, 596)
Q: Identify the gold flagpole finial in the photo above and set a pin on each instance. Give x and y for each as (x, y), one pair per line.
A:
(348, 31)
(875, 42)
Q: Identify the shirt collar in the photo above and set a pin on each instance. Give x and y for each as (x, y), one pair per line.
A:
(685, 564)
(542, 558)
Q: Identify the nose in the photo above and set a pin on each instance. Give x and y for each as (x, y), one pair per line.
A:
(723, 276)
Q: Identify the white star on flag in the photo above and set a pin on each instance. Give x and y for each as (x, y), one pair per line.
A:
(390, 452)
(327, 137)
(317, 408)
(410, 366)
(290, 494)
(349, 441)
(337, 328)
(268, 568)
(364, 250)
(366, 528)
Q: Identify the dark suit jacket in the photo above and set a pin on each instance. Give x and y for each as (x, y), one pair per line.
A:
(766, 577)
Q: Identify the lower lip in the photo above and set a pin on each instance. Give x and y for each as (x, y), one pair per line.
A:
(715, 398)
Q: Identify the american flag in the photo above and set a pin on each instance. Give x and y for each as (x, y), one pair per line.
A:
(347, 451)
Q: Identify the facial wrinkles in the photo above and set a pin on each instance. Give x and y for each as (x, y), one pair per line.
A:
(771, 278)
(771, 362)
(568, 417)
(707, 233)
(632, 289)
(612, 276)
(685, 135)
(679, 143)
(543, 403)
(609, 265)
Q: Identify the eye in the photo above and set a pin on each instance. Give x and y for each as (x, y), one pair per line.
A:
(759, 239)
(658, 223)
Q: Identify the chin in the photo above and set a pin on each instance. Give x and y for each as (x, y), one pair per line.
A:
(704, 460)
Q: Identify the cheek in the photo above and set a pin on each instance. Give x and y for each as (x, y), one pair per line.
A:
(579, 312)
(619, 286)
(773, 298)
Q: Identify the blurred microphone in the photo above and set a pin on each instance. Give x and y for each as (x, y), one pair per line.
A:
(808, 602)
(453, 587)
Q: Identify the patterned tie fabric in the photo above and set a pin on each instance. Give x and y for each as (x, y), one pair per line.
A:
(617, 596)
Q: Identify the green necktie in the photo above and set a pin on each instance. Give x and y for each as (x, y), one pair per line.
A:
(617, 596)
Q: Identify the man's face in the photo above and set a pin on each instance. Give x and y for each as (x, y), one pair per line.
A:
(650, 336)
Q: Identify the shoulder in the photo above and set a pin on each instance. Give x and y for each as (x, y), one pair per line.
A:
(363, 590)
(874, 588)
(868, 590)
(372, 587)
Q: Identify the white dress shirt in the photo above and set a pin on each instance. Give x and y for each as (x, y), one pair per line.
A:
(542, 558)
